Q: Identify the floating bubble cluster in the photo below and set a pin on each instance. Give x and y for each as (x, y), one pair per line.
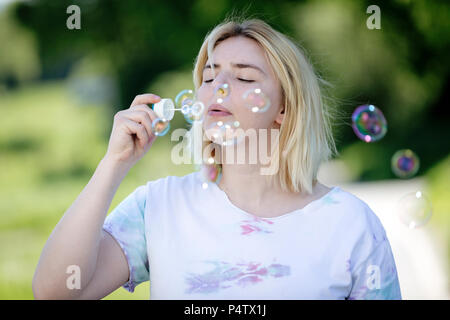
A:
(414, 209)
(194, 112)
(256, 101)
(165, 109)
(368, 123)
(405, 163)
(184, 97)
(224, 133)
(190, 108)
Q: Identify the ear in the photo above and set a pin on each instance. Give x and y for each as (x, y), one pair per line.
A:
(280, 116)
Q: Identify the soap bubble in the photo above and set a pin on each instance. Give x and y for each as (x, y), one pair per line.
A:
(369, 123)
(185, 97)
(223, 133)
(194, 112)
(210, 173)
(197, 108)
(405, 163)
(414, 209)
(222, 92)
(160, 126)
(256, 100)
(185, 109)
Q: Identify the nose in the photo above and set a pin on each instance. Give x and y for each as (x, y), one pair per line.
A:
(221, 87)
(220, 78)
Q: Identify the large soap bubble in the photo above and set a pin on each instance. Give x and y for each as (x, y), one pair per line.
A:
(256, 101)
(368, 123)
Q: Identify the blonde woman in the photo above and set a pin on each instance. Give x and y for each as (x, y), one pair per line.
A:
(247, 235)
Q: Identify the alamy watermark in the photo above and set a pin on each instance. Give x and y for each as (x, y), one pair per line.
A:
(74, 280)
(374, 279)
(236, 146)
(374, 20)
(74, 20)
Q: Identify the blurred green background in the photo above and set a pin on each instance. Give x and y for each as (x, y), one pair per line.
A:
(60, 88)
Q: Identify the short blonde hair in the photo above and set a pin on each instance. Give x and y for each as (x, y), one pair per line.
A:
(305, 138)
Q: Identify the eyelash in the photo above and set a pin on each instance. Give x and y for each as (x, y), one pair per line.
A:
(244, 80)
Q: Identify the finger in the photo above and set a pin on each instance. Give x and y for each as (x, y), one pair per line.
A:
(138, 129)
(141, 117)
(145, 99)
(145, 108)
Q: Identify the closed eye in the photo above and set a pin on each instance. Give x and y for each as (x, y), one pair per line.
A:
(245, 80)
(208, 81)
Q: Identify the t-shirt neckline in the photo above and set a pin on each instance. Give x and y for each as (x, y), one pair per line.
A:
(309, 206)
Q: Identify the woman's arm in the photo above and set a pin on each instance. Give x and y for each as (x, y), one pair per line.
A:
(78, 240)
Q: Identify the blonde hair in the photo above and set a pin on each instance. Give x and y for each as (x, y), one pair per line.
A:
(305, 138)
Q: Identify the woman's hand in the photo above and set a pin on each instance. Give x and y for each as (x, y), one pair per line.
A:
(131, 135)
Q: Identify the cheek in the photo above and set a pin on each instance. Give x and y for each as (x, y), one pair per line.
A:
(249, 119)
(202, 94)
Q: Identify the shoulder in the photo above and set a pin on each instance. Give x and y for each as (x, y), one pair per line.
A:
(358, 215)
(174, 183)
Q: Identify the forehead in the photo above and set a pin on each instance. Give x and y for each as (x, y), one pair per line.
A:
(239, 50)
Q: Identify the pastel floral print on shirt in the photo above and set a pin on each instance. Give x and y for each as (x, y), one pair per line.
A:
(255, 225)
(226, 275)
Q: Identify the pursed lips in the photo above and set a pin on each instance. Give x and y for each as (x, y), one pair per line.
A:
(218, 110)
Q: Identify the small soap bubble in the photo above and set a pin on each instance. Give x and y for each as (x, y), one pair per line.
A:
(222, 91)
(185, 97)
(185, 109)
(160, 126)
(256, 100)
(368, 123)
(414, 209)
(211, 173)
(405, 163)
(205, 185)
(197, 110)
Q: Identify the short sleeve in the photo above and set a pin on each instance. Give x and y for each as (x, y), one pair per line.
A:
(126, 224)
(376, 277)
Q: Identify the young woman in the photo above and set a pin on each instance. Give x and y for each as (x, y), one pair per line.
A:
(247, 235)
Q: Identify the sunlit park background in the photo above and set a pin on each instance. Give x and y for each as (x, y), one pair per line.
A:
(60, 88)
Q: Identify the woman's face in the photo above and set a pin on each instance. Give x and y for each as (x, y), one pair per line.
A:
(241, 63)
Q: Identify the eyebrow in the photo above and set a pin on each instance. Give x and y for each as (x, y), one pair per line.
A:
(238, 66)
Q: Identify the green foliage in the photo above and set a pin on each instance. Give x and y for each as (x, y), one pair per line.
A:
(438, 179)
(20, 61)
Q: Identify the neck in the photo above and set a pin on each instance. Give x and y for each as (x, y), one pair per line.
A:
(246, 183)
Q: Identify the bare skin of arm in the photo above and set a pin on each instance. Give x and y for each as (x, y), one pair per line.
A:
(78, 238)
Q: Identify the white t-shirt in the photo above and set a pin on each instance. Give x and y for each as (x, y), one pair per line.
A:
(193, 243)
